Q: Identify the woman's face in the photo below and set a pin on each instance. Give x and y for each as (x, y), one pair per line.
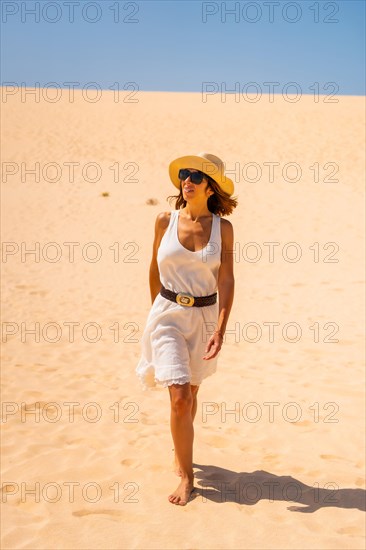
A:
(195, 191)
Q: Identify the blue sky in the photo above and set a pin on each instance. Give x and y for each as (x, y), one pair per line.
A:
(171, 48)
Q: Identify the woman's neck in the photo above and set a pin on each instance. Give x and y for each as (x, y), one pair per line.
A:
(195, 213)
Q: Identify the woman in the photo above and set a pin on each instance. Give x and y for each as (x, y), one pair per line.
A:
(192, 258)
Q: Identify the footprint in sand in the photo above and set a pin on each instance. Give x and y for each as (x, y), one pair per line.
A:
(218, 442)
(334, 457)
(81, 513)
(131, 463)
(350, 531)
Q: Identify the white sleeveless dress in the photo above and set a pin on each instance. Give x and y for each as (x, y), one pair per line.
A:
(175, 336)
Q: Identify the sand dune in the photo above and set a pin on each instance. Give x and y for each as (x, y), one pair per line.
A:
(278, 453)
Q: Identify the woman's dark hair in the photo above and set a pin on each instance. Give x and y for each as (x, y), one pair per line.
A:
(219, 202)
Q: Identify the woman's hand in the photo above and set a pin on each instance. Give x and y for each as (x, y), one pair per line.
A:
(213, 345)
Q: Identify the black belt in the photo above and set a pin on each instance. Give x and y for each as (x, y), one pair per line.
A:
(185, 299)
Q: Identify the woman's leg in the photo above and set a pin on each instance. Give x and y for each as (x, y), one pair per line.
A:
(181, 424)
(194, 391)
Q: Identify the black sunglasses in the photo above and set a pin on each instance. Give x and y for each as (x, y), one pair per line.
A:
(196, 177)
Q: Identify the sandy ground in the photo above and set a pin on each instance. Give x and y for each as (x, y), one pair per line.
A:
(279, 432)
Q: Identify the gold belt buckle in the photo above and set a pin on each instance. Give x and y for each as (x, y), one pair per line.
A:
(185, 299)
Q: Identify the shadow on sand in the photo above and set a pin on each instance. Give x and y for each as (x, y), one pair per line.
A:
(221, 485)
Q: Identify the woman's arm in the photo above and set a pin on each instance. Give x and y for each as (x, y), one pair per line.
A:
(226, 281)
(161, 223)
(225, 284)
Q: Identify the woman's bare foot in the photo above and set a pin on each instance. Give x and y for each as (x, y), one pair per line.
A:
(183, 492)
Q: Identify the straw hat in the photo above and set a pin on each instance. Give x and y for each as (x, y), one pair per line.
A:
(205, 162)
